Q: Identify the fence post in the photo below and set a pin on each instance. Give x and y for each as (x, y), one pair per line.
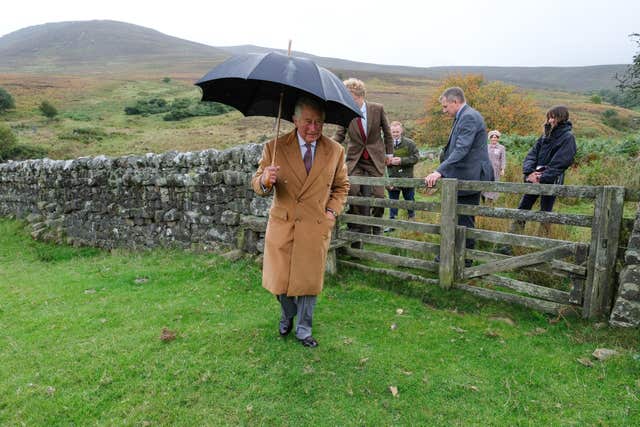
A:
(459, 254)
(449, 198)
(605, 232)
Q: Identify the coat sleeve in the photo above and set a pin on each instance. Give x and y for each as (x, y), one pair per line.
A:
(413, 156)
(468, 127)
(561, 160)
(386, 132)
(503, 160)
(339, 186)
(531, 160)
(265, 161)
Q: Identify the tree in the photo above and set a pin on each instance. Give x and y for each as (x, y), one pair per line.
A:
(6, 100)
(630, 80)
(48, 110)
(502, 106)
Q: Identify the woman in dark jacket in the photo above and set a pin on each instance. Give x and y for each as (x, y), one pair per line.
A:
(551, 155)
(546, 163)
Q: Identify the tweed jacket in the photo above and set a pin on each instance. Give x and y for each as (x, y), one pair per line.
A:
(379, 141)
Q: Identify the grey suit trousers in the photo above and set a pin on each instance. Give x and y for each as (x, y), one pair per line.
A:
(301, 306)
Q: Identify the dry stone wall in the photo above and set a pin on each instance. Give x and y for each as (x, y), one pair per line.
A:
(190, 200)
(626, 310)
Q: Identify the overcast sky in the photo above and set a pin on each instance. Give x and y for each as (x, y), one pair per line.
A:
(396, 32)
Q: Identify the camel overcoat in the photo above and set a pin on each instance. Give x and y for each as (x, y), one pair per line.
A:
(298, 230)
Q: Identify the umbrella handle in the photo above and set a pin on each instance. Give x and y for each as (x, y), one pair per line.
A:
(275, 142)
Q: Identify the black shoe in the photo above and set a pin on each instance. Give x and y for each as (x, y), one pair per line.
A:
(468, 263)
(437, 259)
(285, 330)
(389, 229)
(309, 342)
(356, 245)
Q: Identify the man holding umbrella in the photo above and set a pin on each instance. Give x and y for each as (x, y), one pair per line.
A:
(309, 175)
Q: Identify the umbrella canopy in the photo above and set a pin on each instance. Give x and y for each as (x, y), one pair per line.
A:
(252, 83)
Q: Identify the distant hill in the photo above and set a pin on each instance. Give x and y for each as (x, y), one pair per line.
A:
(118, 47)
(573, 79)
(100, 46)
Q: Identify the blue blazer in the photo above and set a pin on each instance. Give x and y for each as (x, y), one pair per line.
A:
(465, 156)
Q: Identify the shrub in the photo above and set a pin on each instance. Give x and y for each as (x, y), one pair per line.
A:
(11, 150)
(596, 99)
(6, 100)
(612, 119)
(166, 80)
(149, 106)
(48, 110)
(85, 135)
(502, 106)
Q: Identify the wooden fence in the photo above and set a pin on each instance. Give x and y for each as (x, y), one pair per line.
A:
(587, 268)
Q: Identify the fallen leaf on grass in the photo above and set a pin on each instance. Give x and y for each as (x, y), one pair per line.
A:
(536, 331)
(503, 320)
(393, 390)
(89, 291)
(399, 311)
(492, 334)
(393, 326)
(603, 353)
(457, 329)
(473, 388)
(364, 360)
(51, 390)
(347, 341)
(141, 280)
(586, 362)
(407, 373)
(167, 335)
(249, 408)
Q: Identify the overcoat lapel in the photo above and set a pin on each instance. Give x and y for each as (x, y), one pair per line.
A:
(291, 154)
(369, 121)
(320, 159)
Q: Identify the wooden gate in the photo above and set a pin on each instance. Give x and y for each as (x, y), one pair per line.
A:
(588, 267)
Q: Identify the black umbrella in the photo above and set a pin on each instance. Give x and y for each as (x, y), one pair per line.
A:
(255, 83)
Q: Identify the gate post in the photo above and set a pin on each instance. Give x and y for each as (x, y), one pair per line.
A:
(601, 264)
(448, 220)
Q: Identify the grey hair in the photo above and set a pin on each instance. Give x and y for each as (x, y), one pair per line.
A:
(453, 93)
(305, 101)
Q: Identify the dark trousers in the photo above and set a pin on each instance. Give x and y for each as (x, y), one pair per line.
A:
(468, 221)
(408, 193)
(546, 202)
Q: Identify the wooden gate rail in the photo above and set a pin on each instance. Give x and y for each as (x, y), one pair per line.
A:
(512, 263)
(590, 267)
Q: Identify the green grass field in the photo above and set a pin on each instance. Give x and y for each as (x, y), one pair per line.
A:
(80, 345)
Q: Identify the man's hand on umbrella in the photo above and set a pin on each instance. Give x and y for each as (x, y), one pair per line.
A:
(430, 180)
(269, 176)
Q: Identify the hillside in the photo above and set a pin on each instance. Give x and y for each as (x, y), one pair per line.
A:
(572, 79)
(97, 47)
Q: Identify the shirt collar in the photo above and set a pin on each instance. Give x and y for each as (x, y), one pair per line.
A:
(302, 142)
(460, 111)
(363, 110)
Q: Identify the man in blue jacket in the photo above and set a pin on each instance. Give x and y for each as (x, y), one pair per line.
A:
(465, 155)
